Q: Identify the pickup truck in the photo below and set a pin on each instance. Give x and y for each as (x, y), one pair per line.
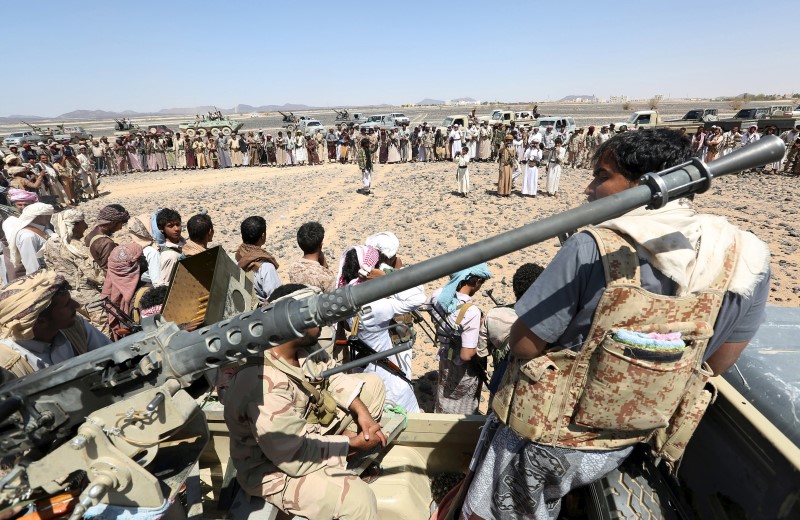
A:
(697, 115)
(559, 123)
(651, 119)
(310, 126)
(383, 121)
(507, 116)
(400, 119)
(780, 116)
(20, 138)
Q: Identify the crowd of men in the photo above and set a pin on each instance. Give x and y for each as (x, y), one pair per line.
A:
(56, 268)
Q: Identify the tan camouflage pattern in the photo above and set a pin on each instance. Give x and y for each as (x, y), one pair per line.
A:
(495, 329)
(298, 466)
(603, 398)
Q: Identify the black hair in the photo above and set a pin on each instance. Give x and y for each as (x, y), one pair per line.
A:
(524, 278)
(166, 215)
(644, 151)
(351, 266)
(199, 226)
(252, 228)
(471, 280)
(155, 296)
(283, 290)
(310, 237)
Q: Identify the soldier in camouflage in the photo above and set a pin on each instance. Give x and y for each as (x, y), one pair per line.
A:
(291, 452)
(604, 287)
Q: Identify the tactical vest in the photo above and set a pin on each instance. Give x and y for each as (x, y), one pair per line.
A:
(610, 395)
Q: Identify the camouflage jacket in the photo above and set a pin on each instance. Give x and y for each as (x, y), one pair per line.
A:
(270, 438)
(612, 394)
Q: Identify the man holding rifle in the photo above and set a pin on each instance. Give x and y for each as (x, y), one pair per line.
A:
(462, 370)
(615, 341)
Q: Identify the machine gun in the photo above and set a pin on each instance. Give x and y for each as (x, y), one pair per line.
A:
(288, 118)
(115, 412)
(342, 115)
(37, 129)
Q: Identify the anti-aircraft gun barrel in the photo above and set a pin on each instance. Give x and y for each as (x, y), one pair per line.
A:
(56, 400)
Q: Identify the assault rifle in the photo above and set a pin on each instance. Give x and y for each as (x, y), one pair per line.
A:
(117, 412)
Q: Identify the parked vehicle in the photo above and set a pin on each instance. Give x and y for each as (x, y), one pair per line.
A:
(382, 121)
(219, 124)
(310, 126)
(75, 133)
(20, 138)
(652, 119)
(460, 120)
(123, 127)
(343, 117)
(697, 115)
(762, 117)
(159, 130)
(559, 123)
(508, 116)
(400, 119)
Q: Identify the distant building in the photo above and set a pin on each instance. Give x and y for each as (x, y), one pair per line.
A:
(617, 99)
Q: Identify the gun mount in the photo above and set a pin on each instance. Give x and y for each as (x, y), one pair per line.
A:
(123, 399)
(37, 129)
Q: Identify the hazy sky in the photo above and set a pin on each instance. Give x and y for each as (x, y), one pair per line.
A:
(147, 55)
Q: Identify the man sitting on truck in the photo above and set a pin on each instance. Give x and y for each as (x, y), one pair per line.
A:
(607, 297)
(287, 449)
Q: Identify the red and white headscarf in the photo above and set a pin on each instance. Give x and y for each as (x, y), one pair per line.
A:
(367, 260)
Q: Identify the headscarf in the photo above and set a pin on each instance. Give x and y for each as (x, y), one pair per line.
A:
(138, 228)
(367, 260)
(28, 215)
(122, 278)
(23, 300)
(157, 234)
(18, 171)
(386, 242)
(111, 215)
(447, 299)
(64, 223)
(18, 195)
(250, 257)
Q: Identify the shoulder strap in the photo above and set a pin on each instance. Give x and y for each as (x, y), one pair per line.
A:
(36, 231)
(94, 238)
(354, 328)
(618, 253)
(309, 389)
(462, 311)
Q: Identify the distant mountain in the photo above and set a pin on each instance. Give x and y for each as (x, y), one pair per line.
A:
(579, 97)
(242, 109)
(189, 111)
(96, 114)
(429, 101)
(15, 118)
(26, 118)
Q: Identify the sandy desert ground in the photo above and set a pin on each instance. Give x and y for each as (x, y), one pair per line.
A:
(417, 202)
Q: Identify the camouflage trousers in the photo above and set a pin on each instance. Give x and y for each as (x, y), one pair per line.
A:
(517, 479)
(335, 493)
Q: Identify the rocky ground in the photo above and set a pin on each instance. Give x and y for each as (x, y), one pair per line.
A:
(417, 202)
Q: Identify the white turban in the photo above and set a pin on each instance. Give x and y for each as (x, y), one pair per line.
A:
(29, 214)
(64, 222)
(386, 242)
